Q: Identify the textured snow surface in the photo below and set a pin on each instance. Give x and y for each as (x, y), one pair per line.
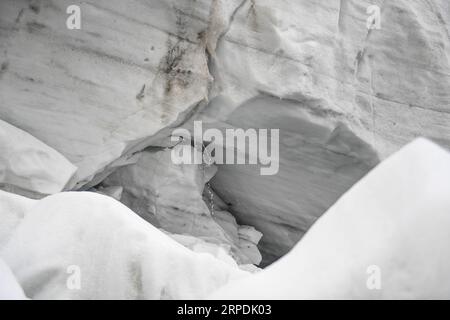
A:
(397, 218)
(118, 255)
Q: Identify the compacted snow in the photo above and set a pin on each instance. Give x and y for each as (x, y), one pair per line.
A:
(83, 245)
(12, 210)
(95, 109)
(386, 238)
(9, 288)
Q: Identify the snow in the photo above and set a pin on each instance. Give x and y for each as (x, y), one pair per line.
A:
(172, 197)
(93, 240)
(12, 211)
(9, 288)
(29, 165)
(395, 221)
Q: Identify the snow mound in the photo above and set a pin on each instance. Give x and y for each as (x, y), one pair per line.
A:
(386, 238)
(83, 245)
(12, 210)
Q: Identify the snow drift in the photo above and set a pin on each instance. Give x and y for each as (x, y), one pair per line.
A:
(113, 253)
(396, 219)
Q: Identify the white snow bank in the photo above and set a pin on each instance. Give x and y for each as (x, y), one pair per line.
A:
(12, 211)
(391, 229)
(9, 288)
(83, 245)
(28, 164)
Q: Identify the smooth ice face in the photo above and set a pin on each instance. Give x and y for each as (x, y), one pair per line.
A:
(385, 238)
